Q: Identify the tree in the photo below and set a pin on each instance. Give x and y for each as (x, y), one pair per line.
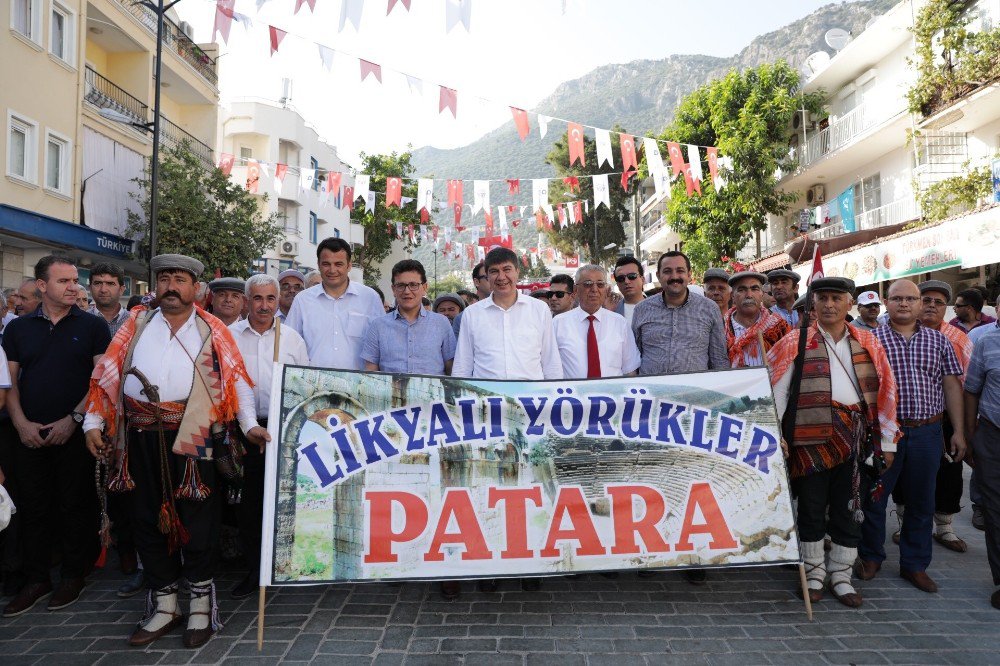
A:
(449, 284)
(610, 222)
(746, 115)
(380, 224)
(204, 215)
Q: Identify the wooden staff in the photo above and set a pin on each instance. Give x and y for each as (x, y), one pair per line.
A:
(260, 616)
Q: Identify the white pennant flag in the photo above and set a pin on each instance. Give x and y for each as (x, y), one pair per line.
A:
(571, 211)
(425, 194)
(416, 85)
(480, 196)
(362, 182)
(243, 20)
(543, 124)
(502, 214)
(370, 202)
(324, 197)
(405, 201)
(539, 193)
(399, 229)
(661, 182)
(326, 55)
(260, 4)
(602, 195)
(550, 212)
(306, 179)
(694, 159)
(351, 10)
(264, 169)
(457, 11)
(604, 153)
(523, 208)
(653, 158)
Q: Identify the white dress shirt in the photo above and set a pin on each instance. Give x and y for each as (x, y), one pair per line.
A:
(516, 343)
(167, 362)
(629, 311)
(333, 328)
(258, 356)
(615, 343)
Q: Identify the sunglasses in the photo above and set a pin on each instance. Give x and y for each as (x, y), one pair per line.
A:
(556, 294)
(626, 276)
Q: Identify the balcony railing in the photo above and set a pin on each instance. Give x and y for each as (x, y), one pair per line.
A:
(104, 94)
(175, 39)
(897, 212)
(844, 130)
(172, 136)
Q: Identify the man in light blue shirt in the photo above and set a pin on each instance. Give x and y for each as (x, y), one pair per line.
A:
(409, 339)
(333, 315)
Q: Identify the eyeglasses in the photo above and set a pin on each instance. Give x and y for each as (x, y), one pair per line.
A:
(927, 300)
(590, 284)
(556, 294)
(291, 287)
(626, 276)
(478, 277)
(404, 286)
(903, 299)
(961, 305)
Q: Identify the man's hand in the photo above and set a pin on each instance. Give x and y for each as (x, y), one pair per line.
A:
(29, 434)
(95, 443)
(612, 301)
(61, 431)
(259, 436)
(889, 457)
(784, 448)
(958, 447)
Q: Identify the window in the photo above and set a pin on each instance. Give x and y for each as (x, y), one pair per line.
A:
(313, 227)
(57, 151)
(61, 32)
(246, 153)
(26, 18)
(868, 194)
(314, 163)
(22, 148)
(287, 212)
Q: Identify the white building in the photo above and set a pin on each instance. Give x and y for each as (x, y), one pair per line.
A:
(275, 133)
(861, 148)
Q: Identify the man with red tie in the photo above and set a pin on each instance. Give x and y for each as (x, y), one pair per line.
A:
(594, 341)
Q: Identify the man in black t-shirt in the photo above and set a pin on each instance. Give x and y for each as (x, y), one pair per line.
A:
(51, 353)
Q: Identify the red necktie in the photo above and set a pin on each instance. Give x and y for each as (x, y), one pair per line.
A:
(593, 354)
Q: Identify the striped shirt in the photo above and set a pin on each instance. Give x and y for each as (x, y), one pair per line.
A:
(919, 366)
(115, 323)
(687, 338)
(983, 377)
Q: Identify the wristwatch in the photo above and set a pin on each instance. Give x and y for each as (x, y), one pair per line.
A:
(77, 417)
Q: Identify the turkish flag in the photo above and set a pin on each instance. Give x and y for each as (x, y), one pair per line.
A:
(392, 3)
(223, 19)
(226, 162)
(561, 212)
(299, 3)
(276, 36)
(454, 193)
(817, 267)
(513, 186)
(448, 100)
(578, 211)
(690, 182)
(490, 242)
(253, 176)
(521, 122)
(393, 191)
(279, 176)
(333, 181)
(626, 175)
(425, 217)
(489, 223)
(349, 198)
(515, 223)
(573, 183)
(458, 214)
(574, 132)
(676, 157)
(627, 144)
(370, 68)
(712, 154)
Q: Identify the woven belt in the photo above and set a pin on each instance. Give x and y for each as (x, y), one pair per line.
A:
(916, 423)
(142, 415)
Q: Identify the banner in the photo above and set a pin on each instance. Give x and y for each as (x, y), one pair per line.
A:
(376, 476)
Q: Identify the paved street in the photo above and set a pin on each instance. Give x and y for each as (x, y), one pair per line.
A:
(748, 616)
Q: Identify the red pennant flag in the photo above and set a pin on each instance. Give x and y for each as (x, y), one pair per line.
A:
(370, 68)
(627, 144)
(574, 132)
(454, 192)
(425, 217)
(223, 19)
(279, 174)
(578, 211)
(712, 153)
(448, 100)
(393, 191)
(540, 219)
(817, 267)
(515, 223)
(226, 162)
(447, 246)
(349, 198)
(561, 212)
(489, 223)
(511, 209)
(626, 176)
(458, 216)
(676, 157)
(692, 184)
(513, 186)
(521, 122)
(524, 260)
(392, 3)
(253, 176)
(276, 36)
(409, 231)
(298, 4)
(333, 181)
(573, 183)
(434, 231)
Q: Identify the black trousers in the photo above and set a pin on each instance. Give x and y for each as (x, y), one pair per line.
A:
(57, 509)
(202, 519)
(823, 493)
(251, 508)
(986, 449)
(10, 544)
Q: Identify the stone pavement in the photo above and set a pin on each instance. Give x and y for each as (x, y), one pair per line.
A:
(742, 616)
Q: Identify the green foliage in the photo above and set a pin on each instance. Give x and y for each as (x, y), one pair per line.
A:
(449, 284)
(380, 225)
(746, 115)
(953, 195)
(204, 215)
(610, 223)
(968, 60)
(536, 269)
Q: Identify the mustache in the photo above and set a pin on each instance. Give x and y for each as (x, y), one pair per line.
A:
(170, 293)
(675, 281)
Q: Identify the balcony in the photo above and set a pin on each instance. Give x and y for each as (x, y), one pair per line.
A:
(897, 212)
(104, 94)
(175, 40)
(172, 136)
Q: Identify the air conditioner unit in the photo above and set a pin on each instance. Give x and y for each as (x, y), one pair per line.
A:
(289, 248)
(816, 195)
(186, 29)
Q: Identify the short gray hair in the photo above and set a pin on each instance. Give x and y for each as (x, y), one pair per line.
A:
(259, 280)
(590, 267)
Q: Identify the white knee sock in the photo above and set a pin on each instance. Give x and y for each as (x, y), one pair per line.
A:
(841, 561)
(813, 556)
(161, 608)
(945, 531)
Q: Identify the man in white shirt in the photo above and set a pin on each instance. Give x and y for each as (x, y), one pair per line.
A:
(333, 315)
(228, 299)
(592, 340)
(291, 283)
(262, 341)
(509, 334)
(631, 281)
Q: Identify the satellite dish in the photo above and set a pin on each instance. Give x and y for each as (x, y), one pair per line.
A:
(837, 38)
(815, 63)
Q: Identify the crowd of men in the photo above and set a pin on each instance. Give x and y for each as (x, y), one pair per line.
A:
(172, 395)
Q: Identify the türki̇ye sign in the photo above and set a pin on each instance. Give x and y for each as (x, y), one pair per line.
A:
(379, 476)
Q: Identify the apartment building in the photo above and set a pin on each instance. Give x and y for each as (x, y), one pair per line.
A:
(274, 133)
(866, 154)
(77, 88)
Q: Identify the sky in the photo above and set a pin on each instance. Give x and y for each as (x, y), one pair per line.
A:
(515, 53)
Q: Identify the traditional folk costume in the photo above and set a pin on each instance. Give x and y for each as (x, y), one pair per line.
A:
(846, 412)
(169, 438)
(744, 348)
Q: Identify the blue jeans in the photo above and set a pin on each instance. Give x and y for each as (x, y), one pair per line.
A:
(914, 469)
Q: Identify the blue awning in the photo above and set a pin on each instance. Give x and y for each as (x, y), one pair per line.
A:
(45, 229)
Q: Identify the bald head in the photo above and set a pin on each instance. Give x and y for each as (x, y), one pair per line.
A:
(903, 303)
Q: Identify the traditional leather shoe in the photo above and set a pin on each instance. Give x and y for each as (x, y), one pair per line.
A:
(955, 544)
(141, 637)
(866, 569)
(29, 595)
(815, 596)
(995, 600)
(488, 585)
(696, 576)
(851, 599)
(67, 593)
(195, 638)
(245, 588)
(128, 563)
(451, 589)
(919, 580)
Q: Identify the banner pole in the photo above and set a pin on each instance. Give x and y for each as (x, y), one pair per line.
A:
(805, 591)
(260, 615)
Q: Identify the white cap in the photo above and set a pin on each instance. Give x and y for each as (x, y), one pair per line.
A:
(868, 298)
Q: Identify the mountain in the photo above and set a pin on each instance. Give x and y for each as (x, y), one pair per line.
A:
(640, 96)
